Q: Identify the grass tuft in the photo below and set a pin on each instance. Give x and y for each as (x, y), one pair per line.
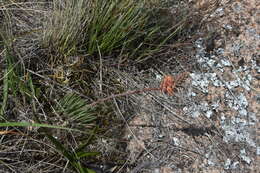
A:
(72, 106)
(112, 26)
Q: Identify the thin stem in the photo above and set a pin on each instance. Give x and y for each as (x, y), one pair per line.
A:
(168, 84)
(123, 94)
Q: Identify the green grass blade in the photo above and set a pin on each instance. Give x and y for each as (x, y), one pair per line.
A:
(88, 141)
(33, 94)
(87, 154)
(61, 148)
(27, 124)
(5, 95)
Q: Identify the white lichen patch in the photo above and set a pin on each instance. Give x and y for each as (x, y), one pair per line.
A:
(255, 66)
(176, 141)
(215, 105)
(197, 110)
(244, 81)
(226, 62)
(258, 151)
(244, 156)
(236, 130)
(192, 111)
(209, 113)
(235, 165)
(218, 12)
(202, 81)
(229, 164)
(211, 158)
(236, 102)
(227, 27)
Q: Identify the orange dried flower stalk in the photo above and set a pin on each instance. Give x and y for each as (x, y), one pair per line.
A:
(168, 85)
(169, 82)
(180, 78)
